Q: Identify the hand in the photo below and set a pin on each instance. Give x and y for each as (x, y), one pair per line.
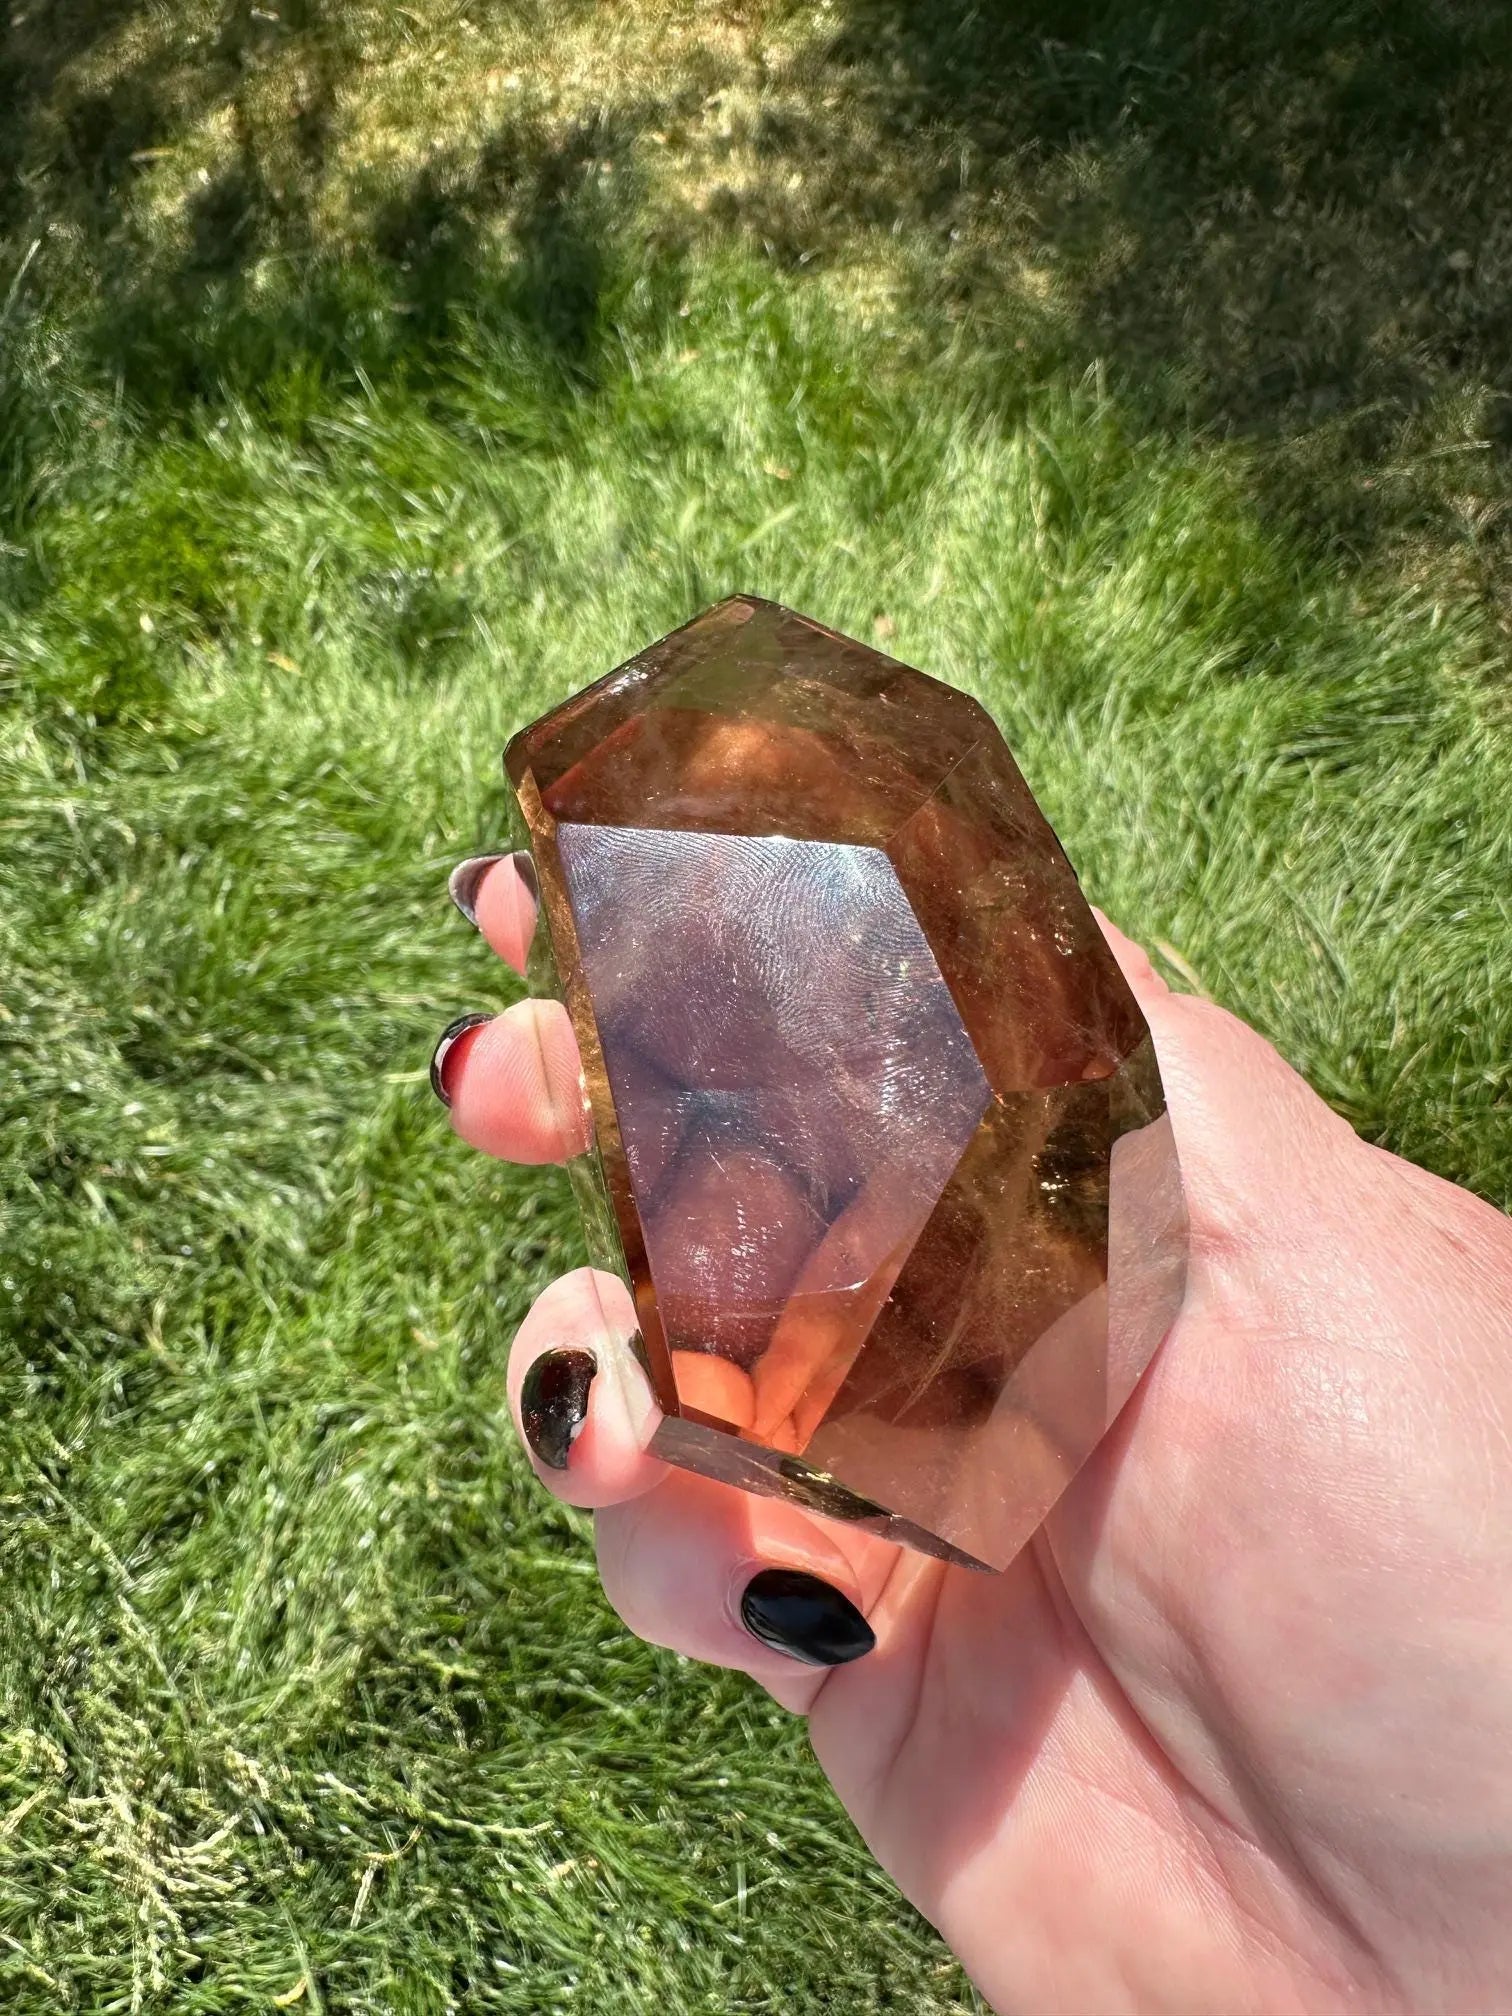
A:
(1234, 1733)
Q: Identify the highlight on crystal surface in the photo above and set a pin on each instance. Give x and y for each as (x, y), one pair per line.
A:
(880, 1145)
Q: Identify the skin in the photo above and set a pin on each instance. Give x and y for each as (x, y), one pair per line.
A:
(1234, 1733)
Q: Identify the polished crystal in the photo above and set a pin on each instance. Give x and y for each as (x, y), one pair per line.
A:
(879, 1141)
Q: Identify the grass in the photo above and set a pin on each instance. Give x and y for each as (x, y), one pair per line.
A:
(368, 379)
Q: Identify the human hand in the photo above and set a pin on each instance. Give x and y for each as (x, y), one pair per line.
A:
(1234, 1733)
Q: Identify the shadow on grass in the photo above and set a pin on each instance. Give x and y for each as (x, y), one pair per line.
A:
(1282, 224)
(250, 298)
(260, 310)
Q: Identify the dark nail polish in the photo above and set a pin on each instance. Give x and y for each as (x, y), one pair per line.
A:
(444, 1056)
(525, 868)
(466, 879)
(804, 1617)
(554, 1403)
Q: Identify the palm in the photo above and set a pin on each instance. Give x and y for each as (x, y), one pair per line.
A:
(1044, 1745)
(1196, 1716)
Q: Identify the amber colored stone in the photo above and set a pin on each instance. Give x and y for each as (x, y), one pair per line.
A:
(880, 1145)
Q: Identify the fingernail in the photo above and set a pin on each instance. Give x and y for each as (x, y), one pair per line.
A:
(465, 880)
(446, 1056)
(798, 1614)
(554, 1403)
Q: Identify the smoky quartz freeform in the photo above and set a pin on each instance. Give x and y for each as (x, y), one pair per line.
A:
(879, 1141)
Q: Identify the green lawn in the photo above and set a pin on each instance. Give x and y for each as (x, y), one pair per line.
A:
(369, 378)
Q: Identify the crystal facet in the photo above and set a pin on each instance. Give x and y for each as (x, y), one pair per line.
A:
(880, 1145)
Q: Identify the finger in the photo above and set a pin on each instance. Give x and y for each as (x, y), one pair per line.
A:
(581, 1402)
(497, 893)
(686, 1562)
(514, 1083)
(815, 1339)
(716, 1386)
(1145, 983)
(690, 1565)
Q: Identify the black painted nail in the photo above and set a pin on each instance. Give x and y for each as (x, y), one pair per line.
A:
(804, 1617)
(443, 1053)
(465, 880)
(554, 1403)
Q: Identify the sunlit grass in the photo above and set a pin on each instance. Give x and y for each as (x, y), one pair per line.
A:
(321, 470)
